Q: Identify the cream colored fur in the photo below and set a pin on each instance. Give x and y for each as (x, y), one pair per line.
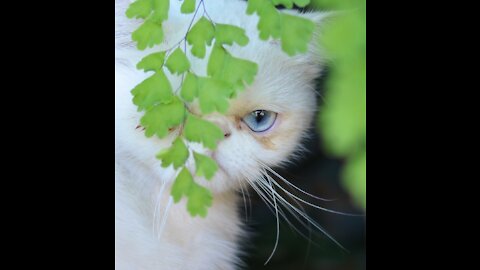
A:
(152, 232)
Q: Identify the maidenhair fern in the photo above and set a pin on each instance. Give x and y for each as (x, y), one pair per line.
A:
(164, 109)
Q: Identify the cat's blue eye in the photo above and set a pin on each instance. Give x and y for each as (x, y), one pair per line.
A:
(260, 120)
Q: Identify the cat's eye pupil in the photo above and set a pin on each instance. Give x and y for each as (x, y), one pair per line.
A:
(259, 115)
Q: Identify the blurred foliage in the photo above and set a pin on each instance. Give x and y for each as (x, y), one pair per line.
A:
(342, 120)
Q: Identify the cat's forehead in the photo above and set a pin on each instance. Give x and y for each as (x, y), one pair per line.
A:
(276, 89)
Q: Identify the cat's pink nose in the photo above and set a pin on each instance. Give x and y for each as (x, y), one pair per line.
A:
(226, 129)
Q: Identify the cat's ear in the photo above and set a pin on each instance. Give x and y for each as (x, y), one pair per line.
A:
(315, 57)
(320, 19)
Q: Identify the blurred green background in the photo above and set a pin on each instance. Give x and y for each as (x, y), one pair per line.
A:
(342, 119)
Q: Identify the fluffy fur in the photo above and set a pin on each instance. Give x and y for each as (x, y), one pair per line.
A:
(151, 231)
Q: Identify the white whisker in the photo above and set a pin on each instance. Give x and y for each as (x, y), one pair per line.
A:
(316, 206)
(295, 215)
(262, 191)
(278, 224)
(259, 188)
(311, 221)
(264, 188)
(156, 208)
(313, 205)
(284, 215)
(295, 187)
(262, 195)
(249, 199)
(244, 201)
(164, 217)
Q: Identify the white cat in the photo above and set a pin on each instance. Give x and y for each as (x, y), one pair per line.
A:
(151, 231)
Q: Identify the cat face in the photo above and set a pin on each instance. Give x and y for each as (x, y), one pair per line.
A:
(263, 126)
(265, 123)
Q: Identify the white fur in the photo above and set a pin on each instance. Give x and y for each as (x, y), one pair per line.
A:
(153, 233)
